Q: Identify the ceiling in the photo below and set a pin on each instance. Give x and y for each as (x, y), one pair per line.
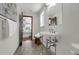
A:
(31, 7)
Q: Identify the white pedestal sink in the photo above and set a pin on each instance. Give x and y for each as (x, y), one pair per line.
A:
(45, 35)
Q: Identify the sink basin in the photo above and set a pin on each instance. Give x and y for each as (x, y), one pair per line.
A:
(48, 33)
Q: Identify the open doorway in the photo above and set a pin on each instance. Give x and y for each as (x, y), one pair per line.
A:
(27, 27)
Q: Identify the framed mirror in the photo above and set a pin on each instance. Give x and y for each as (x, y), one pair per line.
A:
(53, 21)
(55, 14)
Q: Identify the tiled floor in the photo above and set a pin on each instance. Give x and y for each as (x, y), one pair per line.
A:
(29, 48)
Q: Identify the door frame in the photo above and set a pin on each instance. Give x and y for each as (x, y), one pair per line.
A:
(31, 24)
(20, 28)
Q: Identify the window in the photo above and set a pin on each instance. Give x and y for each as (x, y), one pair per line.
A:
(42, 19)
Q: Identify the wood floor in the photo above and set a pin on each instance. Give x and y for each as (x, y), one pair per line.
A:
(30, 48)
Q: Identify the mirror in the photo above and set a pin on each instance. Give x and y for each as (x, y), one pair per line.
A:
(55, 18)
(55, 14)
(53, 21)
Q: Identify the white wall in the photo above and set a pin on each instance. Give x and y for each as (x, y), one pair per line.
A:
(0, 29)
(53, 11)
(56, 11)
(9, 45)
(70, 29)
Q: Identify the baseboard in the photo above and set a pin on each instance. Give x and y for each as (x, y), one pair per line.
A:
(16, 50)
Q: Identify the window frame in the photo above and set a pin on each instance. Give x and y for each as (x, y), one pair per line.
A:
(42, 19)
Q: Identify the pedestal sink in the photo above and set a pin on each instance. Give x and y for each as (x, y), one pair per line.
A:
(45, 35)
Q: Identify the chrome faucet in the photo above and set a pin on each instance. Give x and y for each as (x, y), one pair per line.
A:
(51, 30)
